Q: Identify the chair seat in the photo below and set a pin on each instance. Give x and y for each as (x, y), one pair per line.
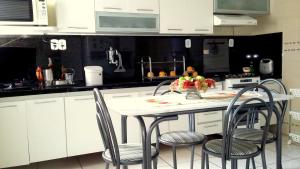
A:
(130, 153)
(250, 134)
(239, 148)
(181, 137)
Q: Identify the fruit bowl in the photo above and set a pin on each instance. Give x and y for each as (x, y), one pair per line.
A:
(198, 83)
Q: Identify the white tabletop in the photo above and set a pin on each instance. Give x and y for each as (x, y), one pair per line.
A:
(150, 105)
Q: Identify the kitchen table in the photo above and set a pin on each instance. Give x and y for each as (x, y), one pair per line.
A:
(168, 107)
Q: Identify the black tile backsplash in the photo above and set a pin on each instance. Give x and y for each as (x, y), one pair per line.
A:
(203, 54)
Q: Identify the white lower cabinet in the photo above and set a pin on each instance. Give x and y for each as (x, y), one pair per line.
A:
(83, 135)
(133, 126)
(13, 134)
(46, 129)
(209, 122)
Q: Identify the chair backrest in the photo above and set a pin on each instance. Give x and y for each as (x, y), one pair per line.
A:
(277, 87)
(248, 106)
(106, 128)
(168, 82)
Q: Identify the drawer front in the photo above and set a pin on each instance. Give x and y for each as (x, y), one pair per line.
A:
(209, 116)
(209, 128)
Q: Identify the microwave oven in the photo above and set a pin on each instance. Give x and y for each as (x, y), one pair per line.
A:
(23, 12)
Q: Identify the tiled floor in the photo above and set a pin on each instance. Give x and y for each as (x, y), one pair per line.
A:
(291, 160)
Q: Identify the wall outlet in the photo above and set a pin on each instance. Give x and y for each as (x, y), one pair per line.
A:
(58, 44)
(62, 44)
(54, 44)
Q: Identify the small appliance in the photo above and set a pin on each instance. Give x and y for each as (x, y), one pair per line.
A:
(266, 67)
(93, 75)
(23, 12)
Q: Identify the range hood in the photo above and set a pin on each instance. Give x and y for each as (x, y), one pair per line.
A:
(234, 20)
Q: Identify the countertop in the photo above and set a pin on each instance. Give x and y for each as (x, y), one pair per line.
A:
(35, 90)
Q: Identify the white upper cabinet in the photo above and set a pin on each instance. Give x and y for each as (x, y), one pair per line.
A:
(111, 5)
(186, 17)
(128, 6)
(144, 6)
(75, 15)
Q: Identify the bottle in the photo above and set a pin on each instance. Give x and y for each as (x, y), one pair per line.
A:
(252, 70)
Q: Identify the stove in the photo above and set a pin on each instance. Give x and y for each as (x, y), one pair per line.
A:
(236, 82)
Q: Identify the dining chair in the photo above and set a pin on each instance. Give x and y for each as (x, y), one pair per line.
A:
(179, 138)
(117, 154)
(253, 135)
(232, 149)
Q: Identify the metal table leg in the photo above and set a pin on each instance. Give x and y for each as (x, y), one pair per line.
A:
(278, 143)
(124, 132)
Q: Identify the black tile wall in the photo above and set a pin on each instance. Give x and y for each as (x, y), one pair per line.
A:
(92, 50)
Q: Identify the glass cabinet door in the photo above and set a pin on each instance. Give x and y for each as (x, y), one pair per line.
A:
(242, 6)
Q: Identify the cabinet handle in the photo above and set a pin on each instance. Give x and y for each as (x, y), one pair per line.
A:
(208, 114)
(201, 30)
(44, 102)
(75, 27)
(209, 126)
(121, 96)
(146, 10)
(113, 8)
(9, 106)
(173, 29)
(84, 99)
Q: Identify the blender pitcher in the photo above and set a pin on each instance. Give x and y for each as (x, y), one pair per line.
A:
(69, 75)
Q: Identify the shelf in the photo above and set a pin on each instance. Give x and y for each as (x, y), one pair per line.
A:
(26, 30)
(170, 62)
(162, 78)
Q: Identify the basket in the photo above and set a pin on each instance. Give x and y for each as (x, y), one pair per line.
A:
(295, 137)
(295, 115)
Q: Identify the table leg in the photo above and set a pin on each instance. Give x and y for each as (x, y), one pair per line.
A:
(123, 129)
(278, 143)
(143, 130)
(124, 132)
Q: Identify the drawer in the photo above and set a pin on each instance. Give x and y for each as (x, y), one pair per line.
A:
(209, 116)
(210, 127)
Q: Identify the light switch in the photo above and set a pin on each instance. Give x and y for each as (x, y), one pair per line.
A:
(188, 43)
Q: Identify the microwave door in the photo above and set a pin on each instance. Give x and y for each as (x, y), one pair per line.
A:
(17, 12)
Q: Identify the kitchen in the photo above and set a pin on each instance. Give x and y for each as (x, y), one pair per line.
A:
(85, 48)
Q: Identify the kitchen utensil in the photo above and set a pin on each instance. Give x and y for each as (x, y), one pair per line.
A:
(266, 66)
(69, 75)
(93, 75)
(48, 76)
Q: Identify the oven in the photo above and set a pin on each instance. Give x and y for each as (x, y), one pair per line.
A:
(237, 82)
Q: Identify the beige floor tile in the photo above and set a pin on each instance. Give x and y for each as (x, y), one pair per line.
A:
(91, 161)
(291, 164)
(197, 165)
(31, 166)
(183, 154)
(65, 163)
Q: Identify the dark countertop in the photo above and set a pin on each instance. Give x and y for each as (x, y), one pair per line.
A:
(34, 90)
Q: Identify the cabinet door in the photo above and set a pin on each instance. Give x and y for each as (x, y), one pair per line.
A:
(173, 16)
(133, 129)
(144, 6)
(199, 16)
(46, 129)
(83, 135)
(13, 135)
(111, 5)
(77, 17)
(182, 124)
